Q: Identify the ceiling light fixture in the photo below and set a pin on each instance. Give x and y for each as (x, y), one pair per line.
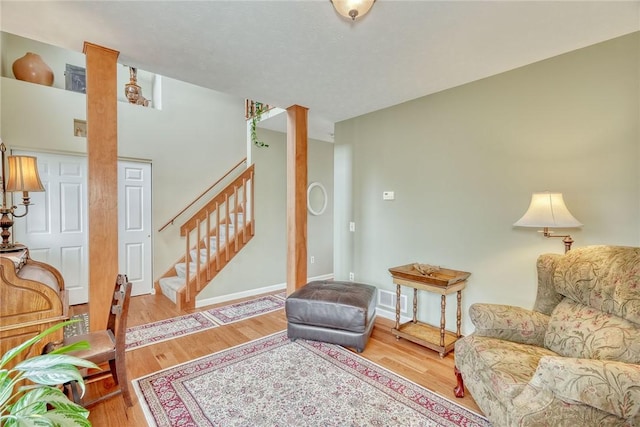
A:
(352, 8)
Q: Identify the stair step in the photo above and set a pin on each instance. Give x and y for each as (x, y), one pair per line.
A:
(240, 216)
(223, 232)
(169, 287)
(212, 242)
(203, 255)
(181, 269)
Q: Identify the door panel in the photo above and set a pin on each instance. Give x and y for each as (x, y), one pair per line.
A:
(134, 224)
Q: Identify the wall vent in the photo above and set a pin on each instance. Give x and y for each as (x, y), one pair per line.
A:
(387, 300)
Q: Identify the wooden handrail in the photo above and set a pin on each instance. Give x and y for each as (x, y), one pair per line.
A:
(222, 198)
(172, 220)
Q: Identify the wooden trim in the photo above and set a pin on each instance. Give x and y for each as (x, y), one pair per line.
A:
(296, 197)
(102, 155)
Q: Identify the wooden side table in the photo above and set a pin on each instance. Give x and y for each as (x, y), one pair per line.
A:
(443, 282)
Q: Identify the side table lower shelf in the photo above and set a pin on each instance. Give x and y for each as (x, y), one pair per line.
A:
(426, 335)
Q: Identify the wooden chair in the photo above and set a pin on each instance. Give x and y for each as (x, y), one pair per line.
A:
(107, 347)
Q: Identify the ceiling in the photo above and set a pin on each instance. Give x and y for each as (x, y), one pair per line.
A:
(302, 52)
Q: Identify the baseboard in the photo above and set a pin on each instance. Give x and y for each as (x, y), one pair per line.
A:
(391, 315)
(253, 292)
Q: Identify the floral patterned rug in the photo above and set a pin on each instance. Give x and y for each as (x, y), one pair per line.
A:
(163, 330)
(275, 382)
(246, 309)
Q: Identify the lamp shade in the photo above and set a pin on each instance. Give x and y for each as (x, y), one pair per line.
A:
(352, 8)
(23, 174)
(547, 210)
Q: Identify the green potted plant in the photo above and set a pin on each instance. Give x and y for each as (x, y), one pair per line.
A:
(260, 108)
(29, 392)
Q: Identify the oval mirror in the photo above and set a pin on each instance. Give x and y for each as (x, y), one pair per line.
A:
(316, 198)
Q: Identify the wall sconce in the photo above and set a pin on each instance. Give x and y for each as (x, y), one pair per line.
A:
(352, 8)
(23, 176)
(547, 210)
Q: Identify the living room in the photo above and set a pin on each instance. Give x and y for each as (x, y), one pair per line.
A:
(463, 163)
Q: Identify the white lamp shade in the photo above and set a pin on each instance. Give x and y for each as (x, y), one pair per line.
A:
(23, 174)
(352, 9)
(547, 210)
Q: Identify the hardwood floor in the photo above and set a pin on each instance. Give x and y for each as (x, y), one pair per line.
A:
(410, 360)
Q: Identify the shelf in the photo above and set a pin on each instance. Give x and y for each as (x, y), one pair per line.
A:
(427, 336)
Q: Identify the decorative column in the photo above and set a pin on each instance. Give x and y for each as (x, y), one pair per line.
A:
(296, 197)
(102, 152)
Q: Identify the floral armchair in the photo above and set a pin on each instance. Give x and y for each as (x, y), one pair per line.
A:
(571, 361)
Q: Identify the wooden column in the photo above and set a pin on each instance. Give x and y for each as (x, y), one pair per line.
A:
(296, 197)
(102, 152)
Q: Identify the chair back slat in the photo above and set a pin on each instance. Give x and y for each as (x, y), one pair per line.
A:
(117, 322)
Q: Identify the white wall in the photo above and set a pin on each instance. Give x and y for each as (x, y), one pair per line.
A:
(464, 162)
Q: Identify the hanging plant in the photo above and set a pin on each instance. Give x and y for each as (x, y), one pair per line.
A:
(257, 115)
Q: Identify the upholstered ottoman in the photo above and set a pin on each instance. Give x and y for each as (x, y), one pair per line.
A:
(340, 313)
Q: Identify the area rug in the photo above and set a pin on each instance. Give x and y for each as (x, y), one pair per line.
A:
(163, 330)
(275, 382)
(246, 309)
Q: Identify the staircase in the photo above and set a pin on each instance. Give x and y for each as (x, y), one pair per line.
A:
(213, 236)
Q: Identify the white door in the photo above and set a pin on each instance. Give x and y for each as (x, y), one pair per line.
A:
(134, 224)
(55, 230)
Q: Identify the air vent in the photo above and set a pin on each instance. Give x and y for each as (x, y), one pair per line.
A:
(387, 299)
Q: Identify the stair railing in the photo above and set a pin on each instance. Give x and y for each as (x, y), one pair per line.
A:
(204, 193)
(224, 210)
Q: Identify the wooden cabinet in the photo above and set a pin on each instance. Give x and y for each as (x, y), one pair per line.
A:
(442, 282)
(33, 299)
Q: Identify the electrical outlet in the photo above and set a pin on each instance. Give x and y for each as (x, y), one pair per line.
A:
(352, 226)
(352, 276)
(313, 259)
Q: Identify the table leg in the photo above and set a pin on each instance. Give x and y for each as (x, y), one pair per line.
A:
(443, 305)
(397, 308)
(415, 305)
(459, 314)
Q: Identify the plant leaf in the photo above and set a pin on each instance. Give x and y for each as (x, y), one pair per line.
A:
(65, 418)
(10, 354)
(79, 345)
(58, 374)
(6, 389)
(47, 396)
(51, 360)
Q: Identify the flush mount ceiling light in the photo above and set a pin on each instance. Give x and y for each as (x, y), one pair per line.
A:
(352, 8)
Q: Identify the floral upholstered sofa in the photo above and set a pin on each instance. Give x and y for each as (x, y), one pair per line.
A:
(571, 361)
